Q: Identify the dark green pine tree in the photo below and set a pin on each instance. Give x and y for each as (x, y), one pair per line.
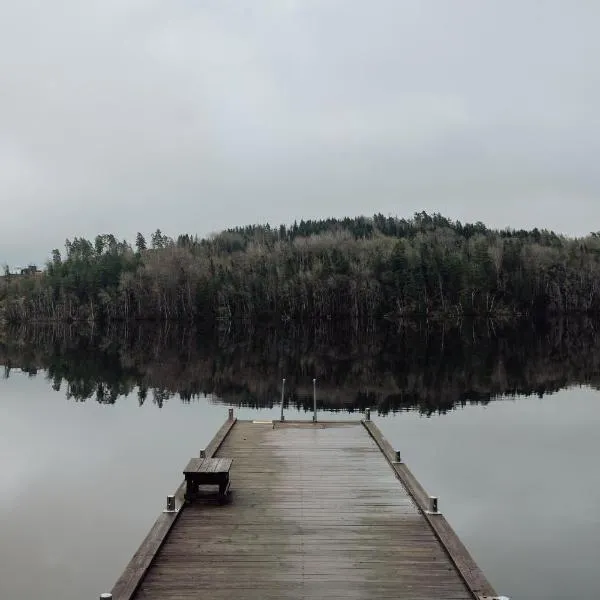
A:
(140, 242)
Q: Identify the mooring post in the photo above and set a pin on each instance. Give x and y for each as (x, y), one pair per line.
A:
(170, 504)
(433, 505)
(282, 397)
(231, 414)
(314, 400)
(202, 453)
(368, 414)
(398, 457)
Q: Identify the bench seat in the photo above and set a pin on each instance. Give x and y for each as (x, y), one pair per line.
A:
(207, 471)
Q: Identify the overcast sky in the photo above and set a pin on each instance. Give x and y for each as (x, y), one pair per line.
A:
(195, 115)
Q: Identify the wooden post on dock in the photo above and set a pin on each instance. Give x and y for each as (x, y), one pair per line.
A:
(368, 414)
(282, 397)
(433, 505)
(314, 400)
(231, 414)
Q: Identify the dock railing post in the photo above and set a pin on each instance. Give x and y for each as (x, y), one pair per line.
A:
(282, 397)
(398, 457)
(368, 414)
(314, 400)
(170, 508)
(231, 414)
(433, 505)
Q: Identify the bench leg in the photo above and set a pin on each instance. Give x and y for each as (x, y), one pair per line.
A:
(223, 490)
(191, 490)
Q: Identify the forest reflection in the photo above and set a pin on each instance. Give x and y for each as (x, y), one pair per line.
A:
(433, 367)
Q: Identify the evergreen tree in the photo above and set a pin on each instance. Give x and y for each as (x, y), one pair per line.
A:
(140, 242)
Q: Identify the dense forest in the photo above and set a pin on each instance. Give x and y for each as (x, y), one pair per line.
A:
(433, 366)
(360, 269)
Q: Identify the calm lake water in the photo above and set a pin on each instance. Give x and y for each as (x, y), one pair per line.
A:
(82, 482)
(501, 422)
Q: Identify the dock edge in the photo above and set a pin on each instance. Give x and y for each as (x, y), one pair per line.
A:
(128, 583)
(467, 568)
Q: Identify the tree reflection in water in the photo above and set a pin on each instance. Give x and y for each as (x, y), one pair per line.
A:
(433, 367)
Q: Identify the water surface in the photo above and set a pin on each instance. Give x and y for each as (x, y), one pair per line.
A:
(82, 482)
(501, 424)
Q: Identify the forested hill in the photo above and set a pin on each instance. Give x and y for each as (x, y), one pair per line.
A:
(357, 269)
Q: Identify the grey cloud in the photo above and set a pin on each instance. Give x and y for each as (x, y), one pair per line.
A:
(132, 115)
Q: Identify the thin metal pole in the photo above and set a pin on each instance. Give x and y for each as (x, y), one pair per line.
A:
(315, 400)
(282, 397)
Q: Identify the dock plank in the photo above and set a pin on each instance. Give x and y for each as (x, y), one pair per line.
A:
(315, 512)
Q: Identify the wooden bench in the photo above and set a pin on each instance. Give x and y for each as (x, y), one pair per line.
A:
(207, 471)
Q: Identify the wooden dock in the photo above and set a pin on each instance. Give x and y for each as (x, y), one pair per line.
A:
(317, 510)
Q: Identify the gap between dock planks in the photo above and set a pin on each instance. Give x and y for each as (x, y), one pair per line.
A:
(468, 569)
(134, 573)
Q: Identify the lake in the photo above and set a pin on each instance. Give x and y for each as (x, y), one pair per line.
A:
(501, 425)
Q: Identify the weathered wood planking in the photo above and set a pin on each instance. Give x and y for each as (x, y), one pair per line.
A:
(129, 581)
(207, 465)
(460, 556)
(315, 512)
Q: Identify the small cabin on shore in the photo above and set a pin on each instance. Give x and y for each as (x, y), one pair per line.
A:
(27, 271)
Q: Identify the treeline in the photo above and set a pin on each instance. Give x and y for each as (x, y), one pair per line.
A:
(361, 270)
(431, 367)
